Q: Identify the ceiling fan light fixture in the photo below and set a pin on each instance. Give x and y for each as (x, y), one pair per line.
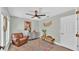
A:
(35, 18)
(36, 15)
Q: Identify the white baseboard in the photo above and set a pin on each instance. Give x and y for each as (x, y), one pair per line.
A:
(63, 45)
(58, 43)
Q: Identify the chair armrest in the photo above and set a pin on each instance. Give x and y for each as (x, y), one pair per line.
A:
(26, 37)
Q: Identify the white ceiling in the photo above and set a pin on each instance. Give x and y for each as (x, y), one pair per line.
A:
(49, 11)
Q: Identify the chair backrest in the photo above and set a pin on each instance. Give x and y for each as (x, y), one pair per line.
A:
(17, 35)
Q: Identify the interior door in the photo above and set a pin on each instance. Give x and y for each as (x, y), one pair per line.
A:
(68, 30)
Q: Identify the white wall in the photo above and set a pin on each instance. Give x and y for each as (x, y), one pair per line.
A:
(52, 30)
(35, 25)
(17, 24)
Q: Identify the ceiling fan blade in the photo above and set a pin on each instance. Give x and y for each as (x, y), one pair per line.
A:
(29, 14)
(35, 16)
(38, 16)
(42, 15)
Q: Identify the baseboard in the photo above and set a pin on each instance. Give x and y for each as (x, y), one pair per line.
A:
(63, 46)
(58, 43)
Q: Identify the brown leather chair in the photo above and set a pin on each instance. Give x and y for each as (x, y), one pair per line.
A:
(18, 39)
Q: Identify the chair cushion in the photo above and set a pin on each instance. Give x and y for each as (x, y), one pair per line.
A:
(23, 39)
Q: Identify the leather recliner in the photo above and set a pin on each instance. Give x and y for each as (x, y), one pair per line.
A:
(18, 39)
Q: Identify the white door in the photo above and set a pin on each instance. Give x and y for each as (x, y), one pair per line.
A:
(68, 30)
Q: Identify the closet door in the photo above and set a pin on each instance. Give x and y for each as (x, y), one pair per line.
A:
(68, 32)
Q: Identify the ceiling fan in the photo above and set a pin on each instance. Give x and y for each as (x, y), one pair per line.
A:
(35, 14)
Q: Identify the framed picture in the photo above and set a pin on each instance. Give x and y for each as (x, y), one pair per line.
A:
(47, 23)
(27, 25)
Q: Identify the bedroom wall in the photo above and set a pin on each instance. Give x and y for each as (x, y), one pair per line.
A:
(53, 29)
(35, 25)
(17, 24)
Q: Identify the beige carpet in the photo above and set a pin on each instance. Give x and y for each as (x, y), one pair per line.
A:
(38, 45)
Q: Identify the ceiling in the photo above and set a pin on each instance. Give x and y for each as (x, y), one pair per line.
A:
(49, 11)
